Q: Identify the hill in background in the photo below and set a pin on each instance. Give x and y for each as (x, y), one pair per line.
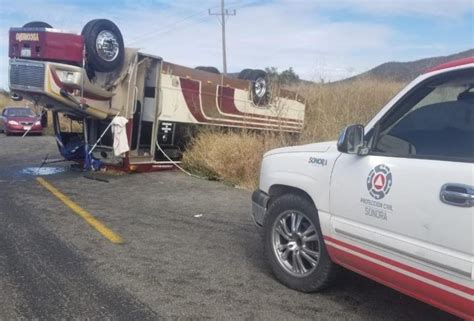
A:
(394, 71)
(407, 71)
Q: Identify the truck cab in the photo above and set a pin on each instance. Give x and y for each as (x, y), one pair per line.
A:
(392, 200)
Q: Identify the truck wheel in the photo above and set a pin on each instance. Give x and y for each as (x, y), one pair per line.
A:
(259, 80)
(210, 69)
(294, 245)
(104, 45)
(37, 24)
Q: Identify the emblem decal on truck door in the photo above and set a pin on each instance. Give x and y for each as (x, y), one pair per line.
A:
(379, 181)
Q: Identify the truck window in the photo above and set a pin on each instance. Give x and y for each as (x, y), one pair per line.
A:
(436, 121)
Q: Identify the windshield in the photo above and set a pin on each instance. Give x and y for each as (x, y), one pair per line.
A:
(435, 121)
(20, 112)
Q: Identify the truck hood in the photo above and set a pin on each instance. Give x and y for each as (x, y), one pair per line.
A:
(315, 148)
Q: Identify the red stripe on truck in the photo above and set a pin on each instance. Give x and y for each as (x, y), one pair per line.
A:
(445, 300)
(451, 64)
(405, 267)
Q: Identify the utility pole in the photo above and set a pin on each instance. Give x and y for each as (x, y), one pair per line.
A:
(223, 13)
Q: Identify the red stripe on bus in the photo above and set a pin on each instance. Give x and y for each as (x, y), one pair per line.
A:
(226, 103)
(190, 89)
(69, 89)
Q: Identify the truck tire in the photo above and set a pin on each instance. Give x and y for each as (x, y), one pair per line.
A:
(260, 88)
(294, 245)
(104, 45)
(210, 69)
(37, 24)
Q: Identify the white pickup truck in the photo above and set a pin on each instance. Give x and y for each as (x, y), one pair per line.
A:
(393, 201)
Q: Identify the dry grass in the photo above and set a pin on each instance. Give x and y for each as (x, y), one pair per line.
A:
(332, 107)
(235, 156)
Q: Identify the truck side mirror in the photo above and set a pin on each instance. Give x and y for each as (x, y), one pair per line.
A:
(351, 140)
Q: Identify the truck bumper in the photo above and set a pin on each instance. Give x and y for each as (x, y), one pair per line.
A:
(259, 206)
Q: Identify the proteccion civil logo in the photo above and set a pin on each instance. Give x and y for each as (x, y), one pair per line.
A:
(379, 181)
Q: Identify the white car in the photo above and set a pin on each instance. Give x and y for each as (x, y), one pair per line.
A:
(392, 201)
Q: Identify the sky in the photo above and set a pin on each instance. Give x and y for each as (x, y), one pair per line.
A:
(321, 39)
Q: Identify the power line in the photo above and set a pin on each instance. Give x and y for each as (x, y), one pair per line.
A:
(223, 14)
(169, 27)
(245, 5)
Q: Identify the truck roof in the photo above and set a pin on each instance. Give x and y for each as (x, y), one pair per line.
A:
(451, 64)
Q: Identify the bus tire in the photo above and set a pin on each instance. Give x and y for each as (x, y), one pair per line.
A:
(243, 73)
(210, 69)
(37, 24)
(105, 49)
(259, 85)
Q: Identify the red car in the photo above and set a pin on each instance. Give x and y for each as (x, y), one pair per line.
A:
(18, 120)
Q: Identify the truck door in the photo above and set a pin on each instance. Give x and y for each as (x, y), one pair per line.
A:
(411, 199)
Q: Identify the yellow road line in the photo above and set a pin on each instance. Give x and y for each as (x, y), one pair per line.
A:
(95, 223)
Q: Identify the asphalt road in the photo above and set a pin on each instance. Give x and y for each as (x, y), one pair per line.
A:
(190, 251)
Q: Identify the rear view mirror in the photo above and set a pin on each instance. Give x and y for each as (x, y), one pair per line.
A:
(351, 140)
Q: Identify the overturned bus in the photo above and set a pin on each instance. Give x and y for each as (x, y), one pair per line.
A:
(93, 79)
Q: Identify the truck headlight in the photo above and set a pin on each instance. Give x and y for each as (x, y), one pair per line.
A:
(13, 122)
(69, 77)
(37, 123)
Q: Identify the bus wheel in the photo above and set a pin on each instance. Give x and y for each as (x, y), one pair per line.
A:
(104, 45)
(243, 73)
(260, 87)
(37, 24)
(210, 69)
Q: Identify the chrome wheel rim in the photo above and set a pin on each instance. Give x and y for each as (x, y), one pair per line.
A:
(296, 243)
(260, 87)
(107, 45)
